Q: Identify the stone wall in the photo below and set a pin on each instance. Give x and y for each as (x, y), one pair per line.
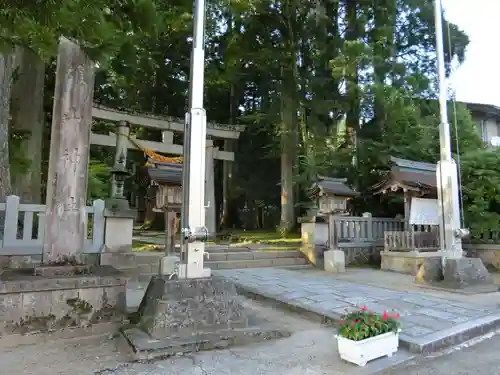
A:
(27, 261)
(406, 262)
(31, 303)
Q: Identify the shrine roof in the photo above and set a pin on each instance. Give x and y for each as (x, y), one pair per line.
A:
(408, 175)
(165, 173)
(332, 186)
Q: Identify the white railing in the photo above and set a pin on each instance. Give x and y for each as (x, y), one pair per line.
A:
(24, 227)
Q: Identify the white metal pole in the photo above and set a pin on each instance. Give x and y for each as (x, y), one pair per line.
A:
(447, 174)
(193, 228)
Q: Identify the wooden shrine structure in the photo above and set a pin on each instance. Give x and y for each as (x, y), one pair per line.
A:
(410, 179)
(166, 185)
(416, 182)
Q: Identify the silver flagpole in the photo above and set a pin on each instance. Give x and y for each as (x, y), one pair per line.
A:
(447, 175)
(194, 232)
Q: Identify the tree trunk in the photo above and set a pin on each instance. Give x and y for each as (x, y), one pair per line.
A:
(227, 166)
(288, 152)
(383, 45)
(65, 231)
(27, 117)
(352, 87)
(7, 62)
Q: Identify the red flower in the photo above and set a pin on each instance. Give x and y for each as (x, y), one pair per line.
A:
(385, 316)
(363, 308)
(342, 321)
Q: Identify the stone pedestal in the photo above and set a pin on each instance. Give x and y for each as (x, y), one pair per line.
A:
(119, 229)
(169, 265)
(466, 272)
(188, 315)
(334, 261)
(36, 304)
(466, 275)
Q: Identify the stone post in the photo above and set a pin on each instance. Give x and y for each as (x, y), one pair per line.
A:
(334, 258)
(170, 231)
(167, 137)
(66, 214)
(122, 135)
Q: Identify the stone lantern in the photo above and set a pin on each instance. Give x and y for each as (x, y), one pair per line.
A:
(119, 174)
(330, 196)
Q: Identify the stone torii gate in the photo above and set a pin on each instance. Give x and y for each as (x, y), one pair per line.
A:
(168, 125)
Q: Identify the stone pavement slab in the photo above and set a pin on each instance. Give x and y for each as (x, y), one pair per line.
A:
(429, 323)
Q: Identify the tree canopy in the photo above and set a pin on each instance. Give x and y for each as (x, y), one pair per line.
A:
(324, 87)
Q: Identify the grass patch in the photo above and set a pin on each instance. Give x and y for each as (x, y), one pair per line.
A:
(260, 237)
(144, 246)
(236, 238)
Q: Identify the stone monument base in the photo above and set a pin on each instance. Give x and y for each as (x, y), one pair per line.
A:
(464, 275)
(189, 315)
(77, 302)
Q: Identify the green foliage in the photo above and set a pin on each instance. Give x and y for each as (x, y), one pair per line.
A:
(100, 26)
(363, 324)
(19, 163)
(99, 178)
(319, 68)
(480, 171)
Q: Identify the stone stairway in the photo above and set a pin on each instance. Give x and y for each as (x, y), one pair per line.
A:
(224, 257)
(141, 265)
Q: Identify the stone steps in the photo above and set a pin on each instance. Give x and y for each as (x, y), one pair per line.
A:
(256, 263)
(141, 265)
(252, 255)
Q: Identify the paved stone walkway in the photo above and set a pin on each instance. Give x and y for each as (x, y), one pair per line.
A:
(429, 323)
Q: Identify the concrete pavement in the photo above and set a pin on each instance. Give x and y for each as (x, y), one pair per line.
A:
(310, 350)
(480, 359)
(429, 323)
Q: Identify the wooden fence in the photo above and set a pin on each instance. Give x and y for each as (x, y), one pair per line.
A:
(24, 227)
(361, 232)
(411, 241)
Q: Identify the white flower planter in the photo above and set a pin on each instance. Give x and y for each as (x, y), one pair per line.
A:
(360, 352)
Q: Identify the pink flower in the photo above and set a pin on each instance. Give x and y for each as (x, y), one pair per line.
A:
(385, 316)
(363, 308)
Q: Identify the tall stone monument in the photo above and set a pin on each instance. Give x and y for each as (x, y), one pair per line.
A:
(69, 154)
(63, 293)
